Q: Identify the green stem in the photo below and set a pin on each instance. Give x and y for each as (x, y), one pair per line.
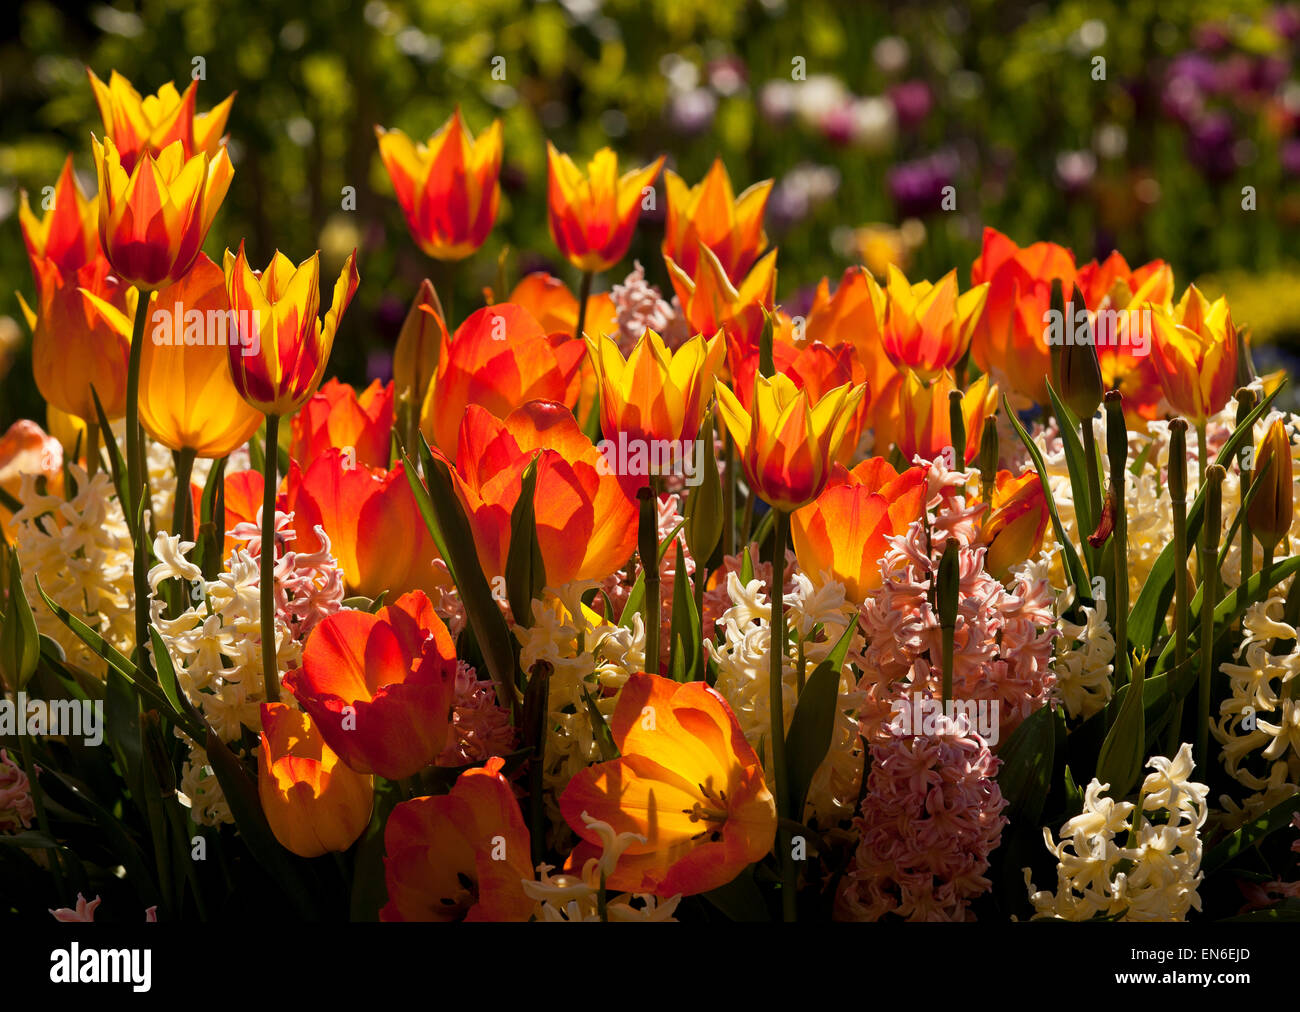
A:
(729, 496)
(92, 447)
(182, 509)
(135, 486)
(584, 293)
(1266, 573)
(1181, 601)
(1094, 474)
(1209, 600)
(1202, 453)
(776, 710)
(270, 666)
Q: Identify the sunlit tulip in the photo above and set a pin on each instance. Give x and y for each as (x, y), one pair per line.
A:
(710, 213)
(711, 302)
(1013, 528)
(550, 302)
(154, 218)
(814, 368)
(499, 358)
(187, 399)
(1195, 355)
(75, 342)
(380, 687)
(147, 125)
(314, 802)
(26, 449)
(928, 327)
(1271, 510)
(844, 532)
(278, 362)
(593, 214)
(786, 442)
(447, 187)
(460, 856)
(1011, 338)
(925, 424)
(687, 782)
(1121, 299)
(655, 394)
(337, 416)
(585, 516)
(359, 507)
(415, 359)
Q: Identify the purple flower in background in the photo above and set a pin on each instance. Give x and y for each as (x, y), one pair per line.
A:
(691, 112)
(912, 103)
(1075, 169)
(837, 125)
(1210, 145)
(1289, 156)
(917, 187)
(379, 365)
(1286, 22)
(727, 76)
(1212, 37)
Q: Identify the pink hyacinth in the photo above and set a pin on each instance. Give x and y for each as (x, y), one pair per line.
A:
(84, 912)
(308, 586)
(1003, 637)
(16, 807)
(931, 817)
(480, 728)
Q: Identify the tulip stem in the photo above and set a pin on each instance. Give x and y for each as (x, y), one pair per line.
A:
(1202, 452)
(776, 709)
(1178, 500)
(135, 487)
(728, 495)
(270, 666)
(584, 293)
(1209, 600)
(92, 448)
(182, 510)
(1093, 472)
(648, 550)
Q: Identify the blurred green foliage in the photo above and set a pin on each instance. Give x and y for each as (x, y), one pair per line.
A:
(1012, 89)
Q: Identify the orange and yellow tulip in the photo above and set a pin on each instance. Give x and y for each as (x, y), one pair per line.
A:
(928, 327)
(447, 187)
(686, 781)
(924, 422)
(1014, 526)
(75, 342)
(278, 362)
(585, 516)
(843, 534)
(712, 303)
(314, 802)
(710, 214)
(26, 449)
(154, 218)
(1272, 508)
(146, 126)
(655, 394)
(1010, 339)
(356, 505)
(187, 399)
(787, 440)
(380, 687)
(1194, 350)
(461, 856)
(336, 416)
(500, 358)
(592, 215)
(549, 302)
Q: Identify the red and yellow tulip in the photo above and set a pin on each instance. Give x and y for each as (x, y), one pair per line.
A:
(928, 327)
(75, 342)
(686, 781)
(1194, 350)
(786, 441)
(924, 422)
(153, 219)
(593, 214)
(843, 534)
(336, 416)
(278, 362)
(146, 126)
(1010, 339)
(380, 687)
(448, 187)
(1014, 525)
(586, 518)
(712, 303)
(711, 215)
(313, 801)
(499, 358)
(550, 302)
(655, 394)
(460, 856)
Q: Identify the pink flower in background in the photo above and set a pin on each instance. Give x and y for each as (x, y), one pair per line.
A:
(308, 585)
(84, 912)
(931, 817)
(479, 728)
(16, 808)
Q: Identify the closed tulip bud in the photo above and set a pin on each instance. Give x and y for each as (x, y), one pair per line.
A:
(448, 187)
(704, 503)
(1271, 508)
(592, 215)
(1177, 471)
(154, 218)
(415, 359)
(1079, 380)
(314, 803)
(283, 345)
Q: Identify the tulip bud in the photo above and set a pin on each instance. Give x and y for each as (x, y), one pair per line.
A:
(415, 359)
(1271, 508)
(988, 461)
(1178, 460)
(1079, 381)
(704, 506)
(20, 645)
(957, 426)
